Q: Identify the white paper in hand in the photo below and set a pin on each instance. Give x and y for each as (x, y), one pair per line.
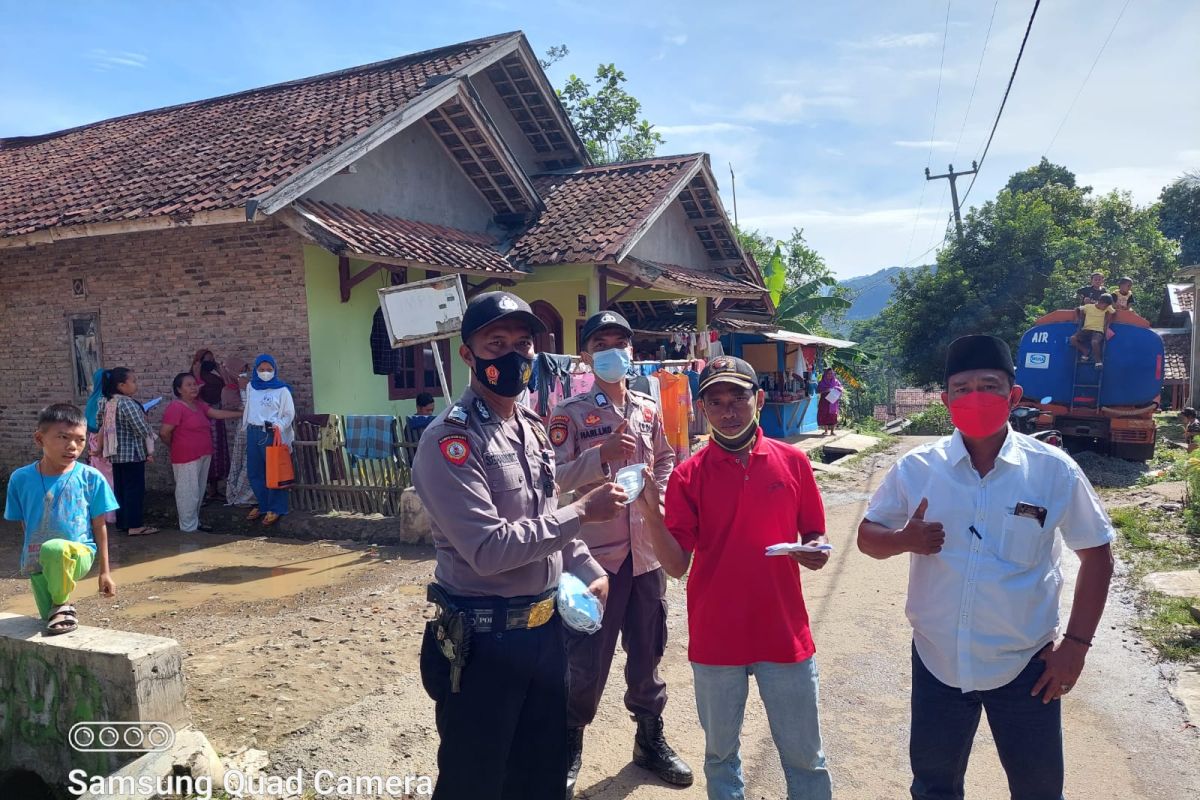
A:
(784, 548)
(632, 479)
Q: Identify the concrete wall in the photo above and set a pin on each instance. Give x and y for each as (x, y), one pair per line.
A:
(48, 684)
(411, 176)
(339, 339)
(671, 240)
(160, 296)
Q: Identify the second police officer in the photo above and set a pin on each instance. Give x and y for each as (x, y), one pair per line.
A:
(595, 434)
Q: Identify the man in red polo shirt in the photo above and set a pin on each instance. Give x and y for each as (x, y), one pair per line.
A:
(746, 616)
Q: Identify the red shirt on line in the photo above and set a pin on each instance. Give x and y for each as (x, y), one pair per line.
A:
(745, 606)
(192, 437)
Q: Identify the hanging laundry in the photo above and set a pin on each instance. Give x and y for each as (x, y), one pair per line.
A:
(370, 436)
(552, 381)
(676, 405)
(384, 358)
(582, 382)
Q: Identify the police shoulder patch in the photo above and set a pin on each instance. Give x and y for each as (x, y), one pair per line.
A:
(481, 407)
(601, 399)
(456, 448)
(558, 429)
(458, 416)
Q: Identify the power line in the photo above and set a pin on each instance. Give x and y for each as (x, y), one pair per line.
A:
(937, 101)
(978, 69)
(1071, 107)
(1004, 100)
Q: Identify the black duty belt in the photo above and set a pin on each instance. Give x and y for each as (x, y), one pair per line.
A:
(514, 613)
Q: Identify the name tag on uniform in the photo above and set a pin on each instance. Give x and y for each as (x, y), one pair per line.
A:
(500, 459)
(592, 433)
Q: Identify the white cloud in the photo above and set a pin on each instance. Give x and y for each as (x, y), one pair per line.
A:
(115, 59)
(892, 41)
(702, 129)
(790, 107)
(677, 39)
(936, 144)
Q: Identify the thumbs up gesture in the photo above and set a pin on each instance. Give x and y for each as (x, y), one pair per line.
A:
(619, 446)
(921, 537)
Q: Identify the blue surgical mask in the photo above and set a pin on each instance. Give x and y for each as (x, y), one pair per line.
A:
(611, 366)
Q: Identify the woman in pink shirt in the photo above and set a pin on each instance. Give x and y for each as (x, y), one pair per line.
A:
(186, 430)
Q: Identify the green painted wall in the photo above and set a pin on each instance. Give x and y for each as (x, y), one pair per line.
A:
(339, 338)
(563, 295)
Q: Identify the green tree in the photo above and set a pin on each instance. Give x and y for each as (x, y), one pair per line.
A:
(608, 117)
(1023, 254)
(803, 263)
(1179, 216)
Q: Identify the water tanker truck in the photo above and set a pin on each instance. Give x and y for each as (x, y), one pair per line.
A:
(1109, 408)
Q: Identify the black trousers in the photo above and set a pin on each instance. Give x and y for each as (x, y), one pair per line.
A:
(129, 485)
(503, 736)
(637, 613)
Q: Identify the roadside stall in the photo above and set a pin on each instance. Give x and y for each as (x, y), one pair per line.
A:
(789, 366)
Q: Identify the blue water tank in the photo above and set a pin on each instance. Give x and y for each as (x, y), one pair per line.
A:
(1133, 364)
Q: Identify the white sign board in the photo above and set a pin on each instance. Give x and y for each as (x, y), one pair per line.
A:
(423, 311)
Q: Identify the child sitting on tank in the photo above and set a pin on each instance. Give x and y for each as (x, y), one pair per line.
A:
(1094, 319)
(1123, 295)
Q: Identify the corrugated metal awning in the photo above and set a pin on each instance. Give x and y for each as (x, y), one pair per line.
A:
(804, 338)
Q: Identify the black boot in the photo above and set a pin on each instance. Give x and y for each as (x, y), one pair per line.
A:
(651, 751)
(575, 752)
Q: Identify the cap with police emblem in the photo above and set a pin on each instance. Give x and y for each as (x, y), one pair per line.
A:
(728, 369)
(489, 307)
(604, 319)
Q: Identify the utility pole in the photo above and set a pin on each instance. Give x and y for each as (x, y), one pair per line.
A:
(953, 176)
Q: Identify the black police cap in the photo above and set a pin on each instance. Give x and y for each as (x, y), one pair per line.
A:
(489, 307)
(604, 319)
(728, 369)
(978, 351)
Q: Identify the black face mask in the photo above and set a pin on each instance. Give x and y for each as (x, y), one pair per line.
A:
(507, 375)
(208, 366)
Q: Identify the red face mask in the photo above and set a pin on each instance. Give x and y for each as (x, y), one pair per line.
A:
(980, 414)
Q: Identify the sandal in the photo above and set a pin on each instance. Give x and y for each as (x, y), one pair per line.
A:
(145, 530)
(62, 620)
(254, 514)
(270, 519)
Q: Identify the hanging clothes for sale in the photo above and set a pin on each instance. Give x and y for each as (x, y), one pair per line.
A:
(676, 404)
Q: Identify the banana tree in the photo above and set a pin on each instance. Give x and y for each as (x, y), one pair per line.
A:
(800, 310)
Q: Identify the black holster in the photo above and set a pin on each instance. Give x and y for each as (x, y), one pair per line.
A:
(452, 629)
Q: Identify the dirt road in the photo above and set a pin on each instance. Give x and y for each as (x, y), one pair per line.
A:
(308, 651)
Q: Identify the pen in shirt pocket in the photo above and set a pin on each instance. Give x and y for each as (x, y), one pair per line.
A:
(977, 534)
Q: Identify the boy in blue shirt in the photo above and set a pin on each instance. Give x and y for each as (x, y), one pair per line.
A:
(61, 504)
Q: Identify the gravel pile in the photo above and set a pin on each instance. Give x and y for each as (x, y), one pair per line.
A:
(1105, 471)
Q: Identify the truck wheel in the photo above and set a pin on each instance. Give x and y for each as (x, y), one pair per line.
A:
(1133, 452)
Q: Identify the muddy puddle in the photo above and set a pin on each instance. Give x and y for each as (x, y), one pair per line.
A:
(176, 571)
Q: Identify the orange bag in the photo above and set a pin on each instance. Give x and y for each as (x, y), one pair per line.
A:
(280, 473)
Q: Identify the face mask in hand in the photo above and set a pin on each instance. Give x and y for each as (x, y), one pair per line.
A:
(611, 366)
(980, 414)
(507, 375)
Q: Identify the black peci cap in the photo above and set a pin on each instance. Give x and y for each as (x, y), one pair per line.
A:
(978, 351)
(728, 369)
(489, 307)
(604, 319)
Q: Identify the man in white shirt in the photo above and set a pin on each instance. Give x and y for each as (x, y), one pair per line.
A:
(984, 514)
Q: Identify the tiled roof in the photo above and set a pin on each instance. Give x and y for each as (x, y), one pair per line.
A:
(1184, 296)
(207, 155)
(705, 283)
(1177, 348)
(372, 234)
(591, 212)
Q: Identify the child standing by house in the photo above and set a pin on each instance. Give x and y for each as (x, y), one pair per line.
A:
(61, 504)
(128, 443)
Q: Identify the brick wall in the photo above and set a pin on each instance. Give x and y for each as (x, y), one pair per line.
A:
(161, 296)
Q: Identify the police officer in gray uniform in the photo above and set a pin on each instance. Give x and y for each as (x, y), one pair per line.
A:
(494, 659)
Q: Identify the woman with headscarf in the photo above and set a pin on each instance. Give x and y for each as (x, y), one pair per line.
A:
(95, 450)
(269, 407)
(208, 377)
(827, 409)
(236, 371)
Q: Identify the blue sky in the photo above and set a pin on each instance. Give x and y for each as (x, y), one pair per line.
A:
(826, 110)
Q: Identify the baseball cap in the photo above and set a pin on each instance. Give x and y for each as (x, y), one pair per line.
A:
(728, 369)
(604, 319)
(486, 308)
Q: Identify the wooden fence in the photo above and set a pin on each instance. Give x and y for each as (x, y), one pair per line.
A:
(333, 480)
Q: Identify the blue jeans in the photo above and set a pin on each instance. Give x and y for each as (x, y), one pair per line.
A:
(1028, 735)
(789, 693)
(275, 500)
